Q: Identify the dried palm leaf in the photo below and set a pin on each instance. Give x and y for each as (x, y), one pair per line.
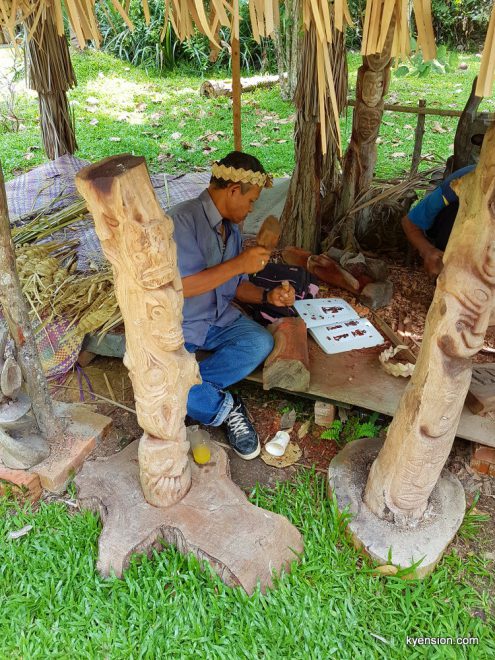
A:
(487, 64)
(378, 18)
(46, 223)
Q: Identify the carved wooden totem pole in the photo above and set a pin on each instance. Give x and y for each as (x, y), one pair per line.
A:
(420, 437)
(373, 79)
(136, 237)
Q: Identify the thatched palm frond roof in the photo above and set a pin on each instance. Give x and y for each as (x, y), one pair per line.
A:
(321, 15)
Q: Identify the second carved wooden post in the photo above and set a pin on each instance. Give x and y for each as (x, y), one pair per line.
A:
(136, 237)
(420, 437)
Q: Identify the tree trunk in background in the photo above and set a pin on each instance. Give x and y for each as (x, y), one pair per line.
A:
(301, 217)
(14, 308)
(286, 42)
(373, 78)
(420, 437)
(49, 71)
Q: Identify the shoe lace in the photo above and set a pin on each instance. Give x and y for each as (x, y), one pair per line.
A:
(237, 422)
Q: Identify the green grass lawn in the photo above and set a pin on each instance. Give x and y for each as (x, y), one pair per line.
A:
(53, 604)
(119, 108)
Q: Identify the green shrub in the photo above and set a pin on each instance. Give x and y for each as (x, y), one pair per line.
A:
(461, 24)
(143, 48)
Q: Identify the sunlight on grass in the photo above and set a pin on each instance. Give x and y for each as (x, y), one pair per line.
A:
(143, 109)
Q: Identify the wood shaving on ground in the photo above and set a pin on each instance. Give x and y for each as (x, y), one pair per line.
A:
(292, 454)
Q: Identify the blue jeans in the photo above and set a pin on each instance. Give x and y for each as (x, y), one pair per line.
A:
(236, 351)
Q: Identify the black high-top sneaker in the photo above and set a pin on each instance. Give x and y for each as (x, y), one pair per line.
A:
(241, 433)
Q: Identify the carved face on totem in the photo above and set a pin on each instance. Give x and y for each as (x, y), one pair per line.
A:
(374, 87)
(163, 322)
(367, 123)
(149, 252)
(161, 383)
(441, 414)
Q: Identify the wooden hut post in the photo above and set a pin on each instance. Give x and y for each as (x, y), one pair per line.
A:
(420, 437)
(16, 314)
(360, 158)
(49, 71)
(301, 217)
(418, 137)
(236, 78)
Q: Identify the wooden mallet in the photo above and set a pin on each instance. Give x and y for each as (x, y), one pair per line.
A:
(269, 233)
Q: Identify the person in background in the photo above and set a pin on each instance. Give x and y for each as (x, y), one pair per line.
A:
(428, 224)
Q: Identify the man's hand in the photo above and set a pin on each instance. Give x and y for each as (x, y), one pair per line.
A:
(432, 260)
(253, 259)
(281, 296)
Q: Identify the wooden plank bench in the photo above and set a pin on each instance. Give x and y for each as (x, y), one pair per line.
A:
(356, 378)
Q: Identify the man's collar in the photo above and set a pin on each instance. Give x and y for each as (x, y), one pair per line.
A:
(212, 213)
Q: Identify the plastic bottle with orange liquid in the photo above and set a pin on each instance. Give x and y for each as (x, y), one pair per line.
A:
(200, 447)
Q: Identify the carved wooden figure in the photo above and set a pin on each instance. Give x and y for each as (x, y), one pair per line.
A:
(373, 79)
(136, 237)
(420, 437)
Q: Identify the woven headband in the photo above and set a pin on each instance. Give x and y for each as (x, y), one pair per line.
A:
(240, 175)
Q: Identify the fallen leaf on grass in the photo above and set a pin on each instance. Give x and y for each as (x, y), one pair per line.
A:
(92, 100)
(399, 154)
(93, 122)
(437, 127)
(303, 430)
(176, 136)
(114, 139)
(387, 569)
(20, 532)
(255, 144)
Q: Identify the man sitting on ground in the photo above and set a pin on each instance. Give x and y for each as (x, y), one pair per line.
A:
(214, 270)
(428, 225)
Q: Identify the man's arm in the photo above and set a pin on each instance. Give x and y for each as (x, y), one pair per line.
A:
(432, 257)
(251, 260)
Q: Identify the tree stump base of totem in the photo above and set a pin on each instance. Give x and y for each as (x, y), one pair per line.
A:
(245, 545)
(419, 545)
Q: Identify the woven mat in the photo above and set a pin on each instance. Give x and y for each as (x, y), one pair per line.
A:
(48, 185)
